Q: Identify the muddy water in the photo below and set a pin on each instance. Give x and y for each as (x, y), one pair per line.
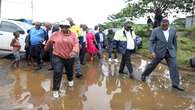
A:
(102, 88)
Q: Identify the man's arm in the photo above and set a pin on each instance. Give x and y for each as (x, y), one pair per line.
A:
(12, 42)
(97, 37)
(152, 44)
(133, 35)
(152, 41)
(50, 42)
(76, 49)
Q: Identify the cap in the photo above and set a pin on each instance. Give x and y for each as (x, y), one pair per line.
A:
(64, 23)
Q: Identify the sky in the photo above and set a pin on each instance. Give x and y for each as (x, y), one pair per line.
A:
(90, 12)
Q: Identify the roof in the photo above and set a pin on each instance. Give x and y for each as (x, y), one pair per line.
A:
(190, 16)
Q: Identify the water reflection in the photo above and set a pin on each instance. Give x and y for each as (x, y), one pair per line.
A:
(102, 88)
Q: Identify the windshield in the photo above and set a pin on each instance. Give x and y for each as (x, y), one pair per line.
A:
(25, 25)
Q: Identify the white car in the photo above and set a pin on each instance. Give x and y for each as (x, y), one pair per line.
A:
(7, 27)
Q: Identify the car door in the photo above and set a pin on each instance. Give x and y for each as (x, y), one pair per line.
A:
(6, 34)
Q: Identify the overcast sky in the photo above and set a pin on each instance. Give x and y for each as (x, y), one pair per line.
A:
(90, 12)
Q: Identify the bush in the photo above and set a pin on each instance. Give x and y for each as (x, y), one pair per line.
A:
(186, 44)
(179, 24)
(141, 30)
(183, 58)
(193, 32)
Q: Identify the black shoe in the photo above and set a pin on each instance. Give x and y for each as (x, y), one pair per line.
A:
(143, 78)
(79, 76)
(50, 69)
(179, 88)
(121, 72)
(83, 63)
(64, 72)
(37, 68)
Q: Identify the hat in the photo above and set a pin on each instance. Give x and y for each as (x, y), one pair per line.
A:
(165, 20)
(64, 23)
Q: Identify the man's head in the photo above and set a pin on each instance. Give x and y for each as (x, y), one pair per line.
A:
(16, 34)
(70, 21)
(110, 31)
(127, 26)
(96, 28)
(37, 25)
(165, 24)
(48, 26)
(84, 27)
(101, 29)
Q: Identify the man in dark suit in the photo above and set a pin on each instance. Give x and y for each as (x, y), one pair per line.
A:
(100, 38)
(163, 45)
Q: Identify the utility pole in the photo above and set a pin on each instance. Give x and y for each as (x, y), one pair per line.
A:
(32, 12)
(0, 8)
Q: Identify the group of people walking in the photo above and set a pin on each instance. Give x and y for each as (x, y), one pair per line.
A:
(68, 43)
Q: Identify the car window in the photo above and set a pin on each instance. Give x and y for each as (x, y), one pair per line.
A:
(9, 27)
(25, 25)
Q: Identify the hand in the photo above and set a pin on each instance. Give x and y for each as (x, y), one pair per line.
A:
(152, 55)
(45, 48)
(73, 54)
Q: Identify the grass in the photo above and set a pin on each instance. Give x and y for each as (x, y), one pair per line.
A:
(185, 50)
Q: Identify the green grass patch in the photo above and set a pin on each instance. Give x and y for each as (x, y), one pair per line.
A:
(185, 50)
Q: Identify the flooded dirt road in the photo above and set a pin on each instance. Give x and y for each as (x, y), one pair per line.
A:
(102, 88)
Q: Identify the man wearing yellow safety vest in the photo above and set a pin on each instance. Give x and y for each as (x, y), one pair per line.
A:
(124, 41)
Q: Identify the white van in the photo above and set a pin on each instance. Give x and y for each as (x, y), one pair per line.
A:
(7, 27)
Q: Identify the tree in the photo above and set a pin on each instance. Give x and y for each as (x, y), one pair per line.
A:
(117, 20)
(159, 8)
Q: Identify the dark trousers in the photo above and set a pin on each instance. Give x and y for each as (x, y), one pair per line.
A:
(171, 61)
(111, 51)
(27, 52)
(36, 53)
(50, 56)
(82, 53)
(126, 60)
(58, 65)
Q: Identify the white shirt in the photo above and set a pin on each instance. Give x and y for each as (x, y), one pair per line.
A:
(101, 37)
(49, 33)
(96, 31)
(166, 33)
(130, 40)
(84, 36)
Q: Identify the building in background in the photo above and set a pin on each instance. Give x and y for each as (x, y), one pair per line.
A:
(190, 21)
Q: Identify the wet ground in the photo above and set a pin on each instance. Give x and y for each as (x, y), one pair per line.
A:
(102, 88)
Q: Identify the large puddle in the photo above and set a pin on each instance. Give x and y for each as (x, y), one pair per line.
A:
(102, 88)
